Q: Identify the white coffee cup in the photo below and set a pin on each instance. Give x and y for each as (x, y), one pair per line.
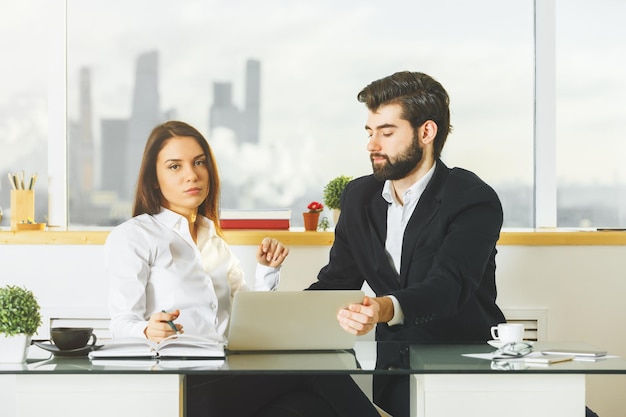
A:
(508, 332)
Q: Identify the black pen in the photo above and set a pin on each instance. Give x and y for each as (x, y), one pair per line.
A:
(171, 323)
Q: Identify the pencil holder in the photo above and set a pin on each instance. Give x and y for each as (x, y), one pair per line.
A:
(22, 207)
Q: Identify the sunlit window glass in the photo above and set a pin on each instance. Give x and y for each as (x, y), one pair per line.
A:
(273, 86)
(591, 109)
(23, 104)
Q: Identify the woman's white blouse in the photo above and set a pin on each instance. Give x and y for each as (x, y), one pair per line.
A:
(153, 264)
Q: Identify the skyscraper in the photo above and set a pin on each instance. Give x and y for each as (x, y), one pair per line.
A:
(81, 161)
(81, 181)
(252, 110)
(114, 138)
(223, 112)
(144, 117)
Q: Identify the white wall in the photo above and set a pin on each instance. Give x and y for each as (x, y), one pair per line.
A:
(581, 287)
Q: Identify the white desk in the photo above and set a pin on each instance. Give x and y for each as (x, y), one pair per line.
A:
(443, 383)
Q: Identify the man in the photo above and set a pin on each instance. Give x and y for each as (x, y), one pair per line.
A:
(422, 235)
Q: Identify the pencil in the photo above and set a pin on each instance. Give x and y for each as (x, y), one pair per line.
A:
(11, 180)
(171, 323)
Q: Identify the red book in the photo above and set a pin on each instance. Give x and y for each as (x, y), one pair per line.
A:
(282, 224)
(255, 219)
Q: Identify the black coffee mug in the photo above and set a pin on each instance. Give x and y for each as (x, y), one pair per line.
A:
(71, 338)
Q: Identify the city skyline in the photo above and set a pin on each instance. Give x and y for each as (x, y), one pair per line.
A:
(122, 140)
(115, 137)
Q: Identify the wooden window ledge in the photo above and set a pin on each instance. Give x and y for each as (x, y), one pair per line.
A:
(526, 237)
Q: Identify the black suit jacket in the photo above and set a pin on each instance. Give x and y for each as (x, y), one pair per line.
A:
(446, 286)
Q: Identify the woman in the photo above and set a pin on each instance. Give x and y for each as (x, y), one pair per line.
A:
(169, 262)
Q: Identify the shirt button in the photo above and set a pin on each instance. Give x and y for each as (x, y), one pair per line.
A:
(213, 306)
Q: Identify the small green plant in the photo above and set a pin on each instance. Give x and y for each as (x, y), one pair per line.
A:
(333, 190)
(19, 311)
(324, 224)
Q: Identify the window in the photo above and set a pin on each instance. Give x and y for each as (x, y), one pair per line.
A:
(273, 86)
(591, 108)
(23, 102)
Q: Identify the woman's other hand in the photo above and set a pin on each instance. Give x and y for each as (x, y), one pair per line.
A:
(158, 327)
(271, 252)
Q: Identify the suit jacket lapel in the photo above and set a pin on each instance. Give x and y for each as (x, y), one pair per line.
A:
(424, 212)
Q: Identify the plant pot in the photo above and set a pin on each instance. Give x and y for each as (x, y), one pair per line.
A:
(336, 213)
(311, 220)
(14, 349)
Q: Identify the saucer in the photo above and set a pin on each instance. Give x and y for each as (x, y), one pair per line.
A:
(72, 352)
(497, 344)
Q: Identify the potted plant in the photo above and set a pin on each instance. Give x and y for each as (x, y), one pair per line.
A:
(311, 217)
(332, 194)
(19, 320)
(324, 224)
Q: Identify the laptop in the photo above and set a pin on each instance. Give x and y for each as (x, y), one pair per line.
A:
(290, 320)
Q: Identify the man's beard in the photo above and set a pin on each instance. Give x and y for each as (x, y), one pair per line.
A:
(401, 165)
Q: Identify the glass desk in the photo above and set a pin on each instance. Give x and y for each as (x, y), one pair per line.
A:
(443, 382)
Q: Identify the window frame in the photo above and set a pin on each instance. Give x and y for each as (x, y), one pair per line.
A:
(57, 113)
(544, 141)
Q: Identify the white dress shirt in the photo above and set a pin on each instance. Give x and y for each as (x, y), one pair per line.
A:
(153, 264)
(398, 215)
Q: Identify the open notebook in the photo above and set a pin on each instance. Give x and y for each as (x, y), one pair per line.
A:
(176, 346)
(290, 320)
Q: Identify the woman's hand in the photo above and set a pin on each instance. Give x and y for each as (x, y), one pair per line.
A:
(158, 327)
(271, 252)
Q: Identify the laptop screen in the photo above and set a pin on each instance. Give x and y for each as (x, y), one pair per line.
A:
(290, 320)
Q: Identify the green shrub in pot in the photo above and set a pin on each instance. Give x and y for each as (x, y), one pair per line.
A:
(19, 311)
(333, 190)
(332, 194)
(19, 320)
